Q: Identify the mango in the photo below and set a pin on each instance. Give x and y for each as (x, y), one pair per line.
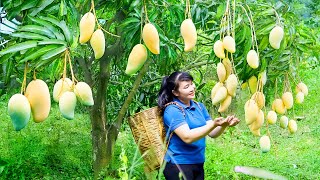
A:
(220, 95)
(67, 104)
(276, 36)
(189, 34)
(264, 77)
(257, 124)
(292, 126)
(38, 95)
(278, 106)
(244, 85)
(228, 65)
(215, 89)
(272, 117)
(251, 111)
(19, 111)
(253, 82)
(301, 87)
(84, 93)
(287, 100)
(284, 122)
(231, 84)
(221, 71)
(218, 49)
(98, 43)
(265, 144)
(259, 98)
(87, 24)
(61, 86)
(150, 37)
(224, 105)
(254, 132)
(253, 59)
(229, 44)
(299, 98)
(137, 57)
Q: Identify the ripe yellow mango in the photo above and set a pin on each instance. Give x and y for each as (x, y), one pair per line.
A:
(253, 59)
(221, 71)
(150, 37)
(137, 57)
(276, 36)
(284, 122)
(287, 100)
(38, 95)
(67, 104)
(272, 117)
(257, 124)
(84, 93)
(61, 86)
(278, 106)
(264, 77)
(224, 105)
(231, 84)
(215, 89)
(227, 64)
(251, 111)
(265, 143)
(87, 24)
(19, 111)
(254, 132)
(292, 126)
(229, 44)
(253, 84)
(299, 98)
(98, 43)
(301, 87)
(259, 98)
(189, 34)
(220, 95)
(218, 49)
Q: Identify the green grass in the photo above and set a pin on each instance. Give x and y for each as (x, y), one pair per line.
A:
(61, 149)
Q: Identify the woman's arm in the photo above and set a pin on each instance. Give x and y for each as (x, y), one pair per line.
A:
(216, 132)
(191, 135)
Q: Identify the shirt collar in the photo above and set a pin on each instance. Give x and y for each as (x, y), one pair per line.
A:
(192, 104)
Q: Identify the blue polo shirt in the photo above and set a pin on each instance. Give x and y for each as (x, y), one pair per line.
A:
(195, 116)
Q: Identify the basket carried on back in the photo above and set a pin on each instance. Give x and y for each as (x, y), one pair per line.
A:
(149, 134)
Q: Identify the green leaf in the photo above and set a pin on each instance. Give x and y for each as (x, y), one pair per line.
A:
(43, 4)
(48, 25)
(28, 35)
(66, 31)
(19, 47)
(38, 53)
(63, 8)
(52, 41)
(53, 53)
(29, 4)
(37, 29)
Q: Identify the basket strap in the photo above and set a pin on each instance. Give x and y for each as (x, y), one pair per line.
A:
(175, 103)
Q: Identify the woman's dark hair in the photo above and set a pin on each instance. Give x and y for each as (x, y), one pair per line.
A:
(170, 83)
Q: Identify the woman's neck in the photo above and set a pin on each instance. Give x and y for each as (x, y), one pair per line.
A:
(185, 101)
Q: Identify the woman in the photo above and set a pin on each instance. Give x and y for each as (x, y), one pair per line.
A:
(187, 123)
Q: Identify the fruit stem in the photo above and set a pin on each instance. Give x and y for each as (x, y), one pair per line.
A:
(145, 10)
(98, 24)
(24, 82)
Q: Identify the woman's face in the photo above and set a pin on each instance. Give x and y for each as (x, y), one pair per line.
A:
(186, 90)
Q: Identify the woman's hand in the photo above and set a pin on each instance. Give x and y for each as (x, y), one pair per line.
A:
(220, 121)
(232, 120)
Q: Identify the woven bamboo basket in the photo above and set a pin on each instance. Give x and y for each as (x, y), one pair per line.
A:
(149, 134)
